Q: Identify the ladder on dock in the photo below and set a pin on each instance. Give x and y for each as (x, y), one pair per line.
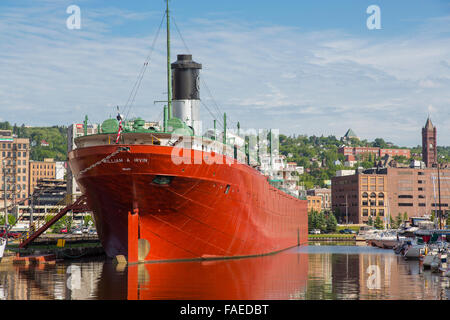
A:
(80, 205)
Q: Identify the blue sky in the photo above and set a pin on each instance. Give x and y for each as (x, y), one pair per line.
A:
(304, 67)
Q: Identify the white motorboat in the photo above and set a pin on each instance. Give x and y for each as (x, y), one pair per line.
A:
(431, 256)
(414, 251)
(387, 239)
(2, 247)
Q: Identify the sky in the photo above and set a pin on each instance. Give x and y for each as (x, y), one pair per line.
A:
(303, 67)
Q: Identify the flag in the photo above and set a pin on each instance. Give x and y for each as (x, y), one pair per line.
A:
(119, 117)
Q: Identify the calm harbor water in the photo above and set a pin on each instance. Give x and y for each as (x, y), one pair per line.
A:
(316, 271)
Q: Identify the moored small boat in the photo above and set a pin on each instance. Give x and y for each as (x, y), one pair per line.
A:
(2, 247)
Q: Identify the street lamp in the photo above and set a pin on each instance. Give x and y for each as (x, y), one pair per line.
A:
(4, 193)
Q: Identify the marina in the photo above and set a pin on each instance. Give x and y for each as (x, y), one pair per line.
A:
(315, 272)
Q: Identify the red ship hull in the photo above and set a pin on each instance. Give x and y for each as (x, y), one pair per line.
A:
(206, 211)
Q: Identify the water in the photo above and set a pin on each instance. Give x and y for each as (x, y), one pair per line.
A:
(312, 272)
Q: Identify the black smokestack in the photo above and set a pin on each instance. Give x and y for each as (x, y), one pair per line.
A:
(185, 78)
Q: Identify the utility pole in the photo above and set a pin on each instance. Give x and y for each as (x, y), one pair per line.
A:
(31, 210)
(4, 194)
(346, 208)
(439, 193)
(169, 76)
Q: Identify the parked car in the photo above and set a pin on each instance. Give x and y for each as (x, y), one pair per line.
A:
(77, 231)
(63, 230)
(11, 234)
(347, 231)
(93, 231)
(85, 230)
(315, 231)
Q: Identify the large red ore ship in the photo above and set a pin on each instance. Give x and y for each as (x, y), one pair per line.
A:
(170, 192)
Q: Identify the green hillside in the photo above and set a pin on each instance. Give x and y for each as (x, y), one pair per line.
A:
(56, 137)
(318, 155)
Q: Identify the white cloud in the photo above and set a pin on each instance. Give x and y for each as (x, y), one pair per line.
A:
(264, 76)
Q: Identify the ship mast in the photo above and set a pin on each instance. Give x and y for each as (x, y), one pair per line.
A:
(169, 77)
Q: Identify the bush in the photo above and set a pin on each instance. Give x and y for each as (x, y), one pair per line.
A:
(331, 223)
(379, 223)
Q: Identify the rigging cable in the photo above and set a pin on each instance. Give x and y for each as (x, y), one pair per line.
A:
(137, 84)
(219, 114)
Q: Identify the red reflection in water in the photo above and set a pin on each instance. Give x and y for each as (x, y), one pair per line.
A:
(279, 276)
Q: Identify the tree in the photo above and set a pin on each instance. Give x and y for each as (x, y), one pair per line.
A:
(64, 222)
(11, 220)
(321, 222)
(398, 220)
(432, 216)
(370, 221)
(405, 216)
(88, 218)
(392, 223)
(311, 218)
(379, 223)
(331, 223)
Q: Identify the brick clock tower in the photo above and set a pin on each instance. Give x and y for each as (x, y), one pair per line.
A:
(429, 148)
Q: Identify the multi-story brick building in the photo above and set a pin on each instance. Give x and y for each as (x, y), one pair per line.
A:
(390, 191)
(41, 170)
(352, 152)
(324, 194)
(314, 203)
(14, 156)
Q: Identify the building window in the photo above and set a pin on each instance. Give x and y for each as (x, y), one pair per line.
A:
(364, 203)
(405, 196)
(421, 173)
(421, 189)
(381, 212)
(373, 195)
(365, 195)
(373, 212)
(381, 202)
(405, 204)
(422, 205)
(365, 212)
(381, 195)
